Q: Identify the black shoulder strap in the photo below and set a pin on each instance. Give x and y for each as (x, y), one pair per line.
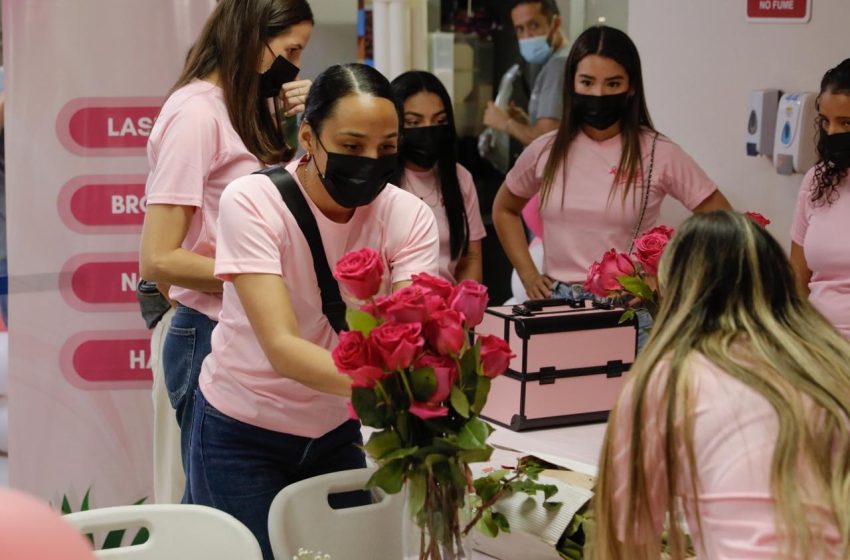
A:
(332, 305)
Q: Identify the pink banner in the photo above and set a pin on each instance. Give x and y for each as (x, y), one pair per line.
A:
(84, 83)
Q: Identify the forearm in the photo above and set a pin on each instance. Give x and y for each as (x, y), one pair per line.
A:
(182, 268)
(469, 267)
(523, 132)
(512, 237)
(308, 364)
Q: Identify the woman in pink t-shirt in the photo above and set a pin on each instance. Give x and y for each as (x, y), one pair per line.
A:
(272, 407)
(736, 416)
(820, 251)
(431, 172)
(591, 173)
(216, 125)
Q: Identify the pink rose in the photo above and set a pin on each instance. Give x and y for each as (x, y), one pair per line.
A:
(650, 246)
(602, 276)
(445, 331)
(757, 218)
(434, 303)
(397, 344)
(427, 411)
(360, 273)
(351, 352)
(351, 412)
(446, 373)
(496, 355)
(366, 376)
(592, 277)
(470, 298)
(354, 357)
(404, 306)
(438, 286)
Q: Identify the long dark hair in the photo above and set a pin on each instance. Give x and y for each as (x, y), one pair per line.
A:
(406, 86)
(616, 45)
(827, 174)
(338, 81)
(232, 42)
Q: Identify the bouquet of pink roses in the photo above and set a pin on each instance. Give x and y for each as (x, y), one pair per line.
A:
(620, 275)
(421, 380)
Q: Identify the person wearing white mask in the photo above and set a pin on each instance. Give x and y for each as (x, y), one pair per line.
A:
(541, 43)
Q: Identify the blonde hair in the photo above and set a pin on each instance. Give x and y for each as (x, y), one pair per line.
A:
(728, 293)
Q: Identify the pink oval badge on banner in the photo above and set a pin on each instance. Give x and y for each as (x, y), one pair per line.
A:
(103, 203)
(101, 282)
(107, 126)
(107, 360)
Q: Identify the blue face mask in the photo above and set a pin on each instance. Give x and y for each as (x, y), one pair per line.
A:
(535, 50)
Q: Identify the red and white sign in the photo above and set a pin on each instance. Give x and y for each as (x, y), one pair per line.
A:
(782, 11)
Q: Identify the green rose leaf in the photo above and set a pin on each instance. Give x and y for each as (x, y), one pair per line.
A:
(365, 403)
(388, 477)
(423, 383)
(459, 402)
(552, 506)
(382, 443)
(636, 286)
(360, 321)
(469, 365)
(486, 524)
(400, 453)
(416, 493)
(501, 522)
(475, 455)
(627, 315)
(482, 389)
(473, 435)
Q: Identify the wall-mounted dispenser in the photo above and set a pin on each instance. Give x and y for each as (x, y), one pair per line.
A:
(794, 144)
(761, 121)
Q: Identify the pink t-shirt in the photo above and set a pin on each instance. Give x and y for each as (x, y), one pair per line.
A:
(822, 233)
(259, 235)
(426, 185)
(193, 153)
(735, 432)
(587, 224)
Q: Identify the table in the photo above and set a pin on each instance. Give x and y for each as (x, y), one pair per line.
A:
(574, 447)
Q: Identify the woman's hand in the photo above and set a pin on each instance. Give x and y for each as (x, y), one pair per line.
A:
(537, 286)
(294, 96)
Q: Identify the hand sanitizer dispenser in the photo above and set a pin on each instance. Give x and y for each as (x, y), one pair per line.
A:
(794, 144)
(761, 122)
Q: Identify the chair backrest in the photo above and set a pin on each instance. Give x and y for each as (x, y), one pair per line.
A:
(300, 517)
(176, 531)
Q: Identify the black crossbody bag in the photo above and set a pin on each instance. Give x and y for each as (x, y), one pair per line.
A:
(332, 305)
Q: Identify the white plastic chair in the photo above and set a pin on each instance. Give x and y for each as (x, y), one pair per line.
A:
(177, 532)
(300, 517)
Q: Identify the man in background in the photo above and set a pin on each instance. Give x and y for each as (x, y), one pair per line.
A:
(541, 43)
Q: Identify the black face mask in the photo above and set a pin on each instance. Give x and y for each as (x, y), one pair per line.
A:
(837, 149)
(600, 111)
(424, 145)
(353, 181)
(281, 72)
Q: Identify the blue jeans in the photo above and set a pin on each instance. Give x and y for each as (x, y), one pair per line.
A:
(575, 292)
(186, 345)
(240, 468)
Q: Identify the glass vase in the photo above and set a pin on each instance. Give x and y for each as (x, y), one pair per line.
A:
(436, 532)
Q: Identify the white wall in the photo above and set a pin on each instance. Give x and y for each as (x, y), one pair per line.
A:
(701, 59)
(334, 38)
